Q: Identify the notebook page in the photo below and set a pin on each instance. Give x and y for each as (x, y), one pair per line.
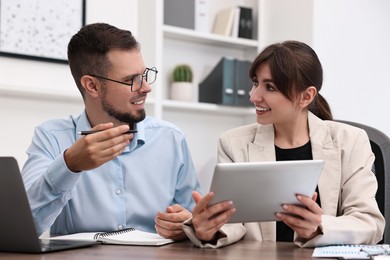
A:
(77, 236)
(135, 237)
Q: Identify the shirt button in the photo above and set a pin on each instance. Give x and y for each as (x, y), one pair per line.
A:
(120, 227)
(118, 191)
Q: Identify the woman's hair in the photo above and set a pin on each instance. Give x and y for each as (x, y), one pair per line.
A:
(294, 67)
(88, 48)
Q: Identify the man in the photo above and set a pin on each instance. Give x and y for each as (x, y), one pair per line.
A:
(110, 179)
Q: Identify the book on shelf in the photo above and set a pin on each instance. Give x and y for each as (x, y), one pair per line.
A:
(236, 22)
(352, 251)
(223, 22)
(245, 29)
(227, 84)
(129, 236)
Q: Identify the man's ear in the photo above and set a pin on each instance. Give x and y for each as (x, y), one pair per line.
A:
(91, 85)
(308, 96)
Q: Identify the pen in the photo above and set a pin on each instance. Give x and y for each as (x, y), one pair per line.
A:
(96, 131)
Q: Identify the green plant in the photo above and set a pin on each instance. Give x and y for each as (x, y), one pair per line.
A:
(182, 73)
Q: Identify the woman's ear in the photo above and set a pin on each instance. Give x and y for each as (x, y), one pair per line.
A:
(91, 85)
(308, 96)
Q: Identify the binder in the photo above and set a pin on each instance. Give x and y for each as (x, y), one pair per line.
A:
(218, 86)
(246, 24)
(202, 16)
(190, 14)
(242, 83)
(179, 13)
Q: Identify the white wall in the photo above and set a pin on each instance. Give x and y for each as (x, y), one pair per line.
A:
(350, 36)
(21, 112)
(352, 39)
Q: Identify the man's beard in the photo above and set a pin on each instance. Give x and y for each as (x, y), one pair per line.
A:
(123, 117)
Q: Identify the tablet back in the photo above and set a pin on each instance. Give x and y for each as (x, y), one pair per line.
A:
(259, 189)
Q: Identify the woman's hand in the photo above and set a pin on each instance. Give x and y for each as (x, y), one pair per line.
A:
(305, 221)
(207, 220)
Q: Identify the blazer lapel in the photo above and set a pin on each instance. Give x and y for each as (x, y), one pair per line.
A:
(324, 148)
(262, 148)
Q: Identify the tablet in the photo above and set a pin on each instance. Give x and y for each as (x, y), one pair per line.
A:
(259, 189)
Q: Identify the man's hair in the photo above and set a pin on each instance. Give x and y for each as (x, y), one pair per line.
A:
(88, 48)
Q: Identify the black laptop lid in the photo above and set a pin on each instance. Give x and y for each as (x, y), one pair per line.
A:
(17, 228)
(16, 222)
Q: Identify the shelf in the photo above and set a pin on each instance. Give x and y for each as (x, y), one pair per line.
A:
(182, 106)
(40, 94)
(172, 32)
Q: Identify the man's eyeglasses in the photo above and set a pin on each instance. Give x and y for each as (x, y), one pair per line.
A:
(150, 75)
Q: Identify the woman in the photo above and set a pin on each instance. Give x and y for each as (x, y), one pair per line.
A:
(294, 122)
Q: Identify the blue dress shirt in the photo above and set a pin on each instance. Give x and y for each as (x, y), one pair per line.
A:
(154, 172)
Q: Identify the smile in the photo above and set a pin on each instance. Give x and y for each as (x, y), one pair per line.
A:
(138, 102)
(262, 109)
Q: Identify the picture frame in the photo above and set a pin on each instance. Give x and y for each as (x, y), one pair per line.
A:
(39, 29)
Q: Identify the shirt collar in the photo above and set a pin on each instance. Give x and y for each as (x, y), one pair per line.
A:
(139, 137)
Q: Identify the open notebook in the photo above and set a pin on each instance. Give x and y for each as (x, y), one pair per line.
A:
(128, 236)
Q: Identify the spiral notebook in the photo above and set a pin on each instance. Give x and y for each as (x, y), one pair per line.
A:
(129, 236)
(352, 251)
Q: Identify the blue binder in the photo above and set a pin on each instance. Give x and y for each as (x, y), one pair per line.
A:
(242, 83)
(218, 86)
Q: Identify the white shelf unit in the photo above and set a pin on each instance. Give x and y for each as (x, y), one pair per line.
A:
(183, 34)
(196, 107)
(165, 46)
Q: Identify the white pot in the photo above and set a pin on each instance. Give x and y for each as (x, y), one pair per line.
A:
(183, 91)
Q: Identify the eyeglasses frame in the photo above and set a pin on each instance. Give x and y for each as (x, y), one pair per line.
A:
(143, 76)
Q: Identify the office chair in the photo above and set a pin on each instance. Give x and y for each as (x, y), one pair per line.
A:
(380, 145)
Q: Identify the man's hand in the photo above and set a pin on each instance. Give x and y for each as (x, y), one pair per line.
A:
(169, 224)
(93, 150)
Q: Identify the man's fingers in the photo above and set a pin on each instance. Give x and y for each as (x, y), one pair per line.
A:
(175, 208)
(101, 127)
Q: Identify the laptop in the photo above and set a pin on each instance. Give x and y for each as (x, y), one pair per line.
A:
(259, 189)
(17, 228)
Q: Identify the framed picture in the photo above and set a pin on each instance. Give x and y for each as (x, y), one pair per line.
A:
(39, 29)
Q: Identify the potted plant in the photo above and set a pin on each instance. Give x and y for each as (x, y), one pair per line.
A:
(182, 87)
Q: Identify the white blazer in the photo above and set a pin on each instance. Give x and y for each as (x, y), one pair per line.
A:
(347, 186)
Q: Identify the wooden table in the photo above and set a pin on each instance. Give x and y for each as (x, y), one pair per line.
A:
(181, 250)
